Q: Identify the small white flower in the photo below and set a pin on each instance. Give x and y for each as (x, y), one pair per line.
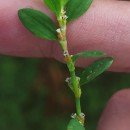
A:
(63, 12)
(65, 17)
(68, 80)
(58, 30)
(78, 78)
(66, 53)
(82, 115)
(73, 115)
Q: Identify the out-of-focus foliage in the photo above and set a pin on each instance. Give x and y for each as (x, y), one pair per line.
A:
(33, 95)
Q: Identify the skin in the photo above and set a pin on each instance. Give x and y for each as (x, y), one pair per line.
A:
(105, 27)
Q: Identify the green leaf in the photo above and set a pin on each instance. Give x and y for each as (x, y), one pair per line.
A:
(64, 2)
(76, 8)
(38, 23)
(75, 125)
(89, 54)
(95, 69)
(54, 6)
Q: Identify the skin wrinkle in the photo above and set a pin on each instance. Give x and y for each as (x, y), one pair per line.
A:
(95, 27)
(103, 37)
(116, 35)
(112, 32)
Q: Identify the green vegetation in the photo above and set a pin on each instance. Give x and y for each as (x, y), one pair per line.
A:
(42, 26)
(25, 101)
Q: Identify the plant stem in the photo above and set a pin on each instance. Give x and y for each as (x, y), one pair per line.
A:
(74, 83)
(76, 89)
(78, 106)
(61, 32)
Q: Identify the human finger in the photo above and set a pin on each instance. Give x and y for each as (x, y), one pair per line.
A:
(116, 115)
(104, 27)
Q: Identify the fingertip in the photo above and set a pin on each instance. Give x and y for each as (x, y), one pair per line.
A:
(116, 115)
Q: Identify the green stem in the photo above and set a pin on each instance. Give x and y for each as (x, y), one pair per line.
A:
(78, 106)
(74, 81)
(63, 43)
(75, 84)
(76, 91)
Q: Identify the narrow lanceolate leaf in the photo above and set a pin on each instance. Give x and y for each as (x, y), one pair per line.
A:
(75, 125)
(88, 54)
(76, 8)
(54, 5)
(95, 69)
(38, 23)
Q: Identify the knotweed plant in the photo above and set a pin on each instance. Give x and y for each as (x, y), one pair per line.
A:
(42, 26)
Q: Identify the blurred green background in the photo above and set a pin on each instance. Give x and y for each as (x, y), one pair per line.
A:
(33, 95)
